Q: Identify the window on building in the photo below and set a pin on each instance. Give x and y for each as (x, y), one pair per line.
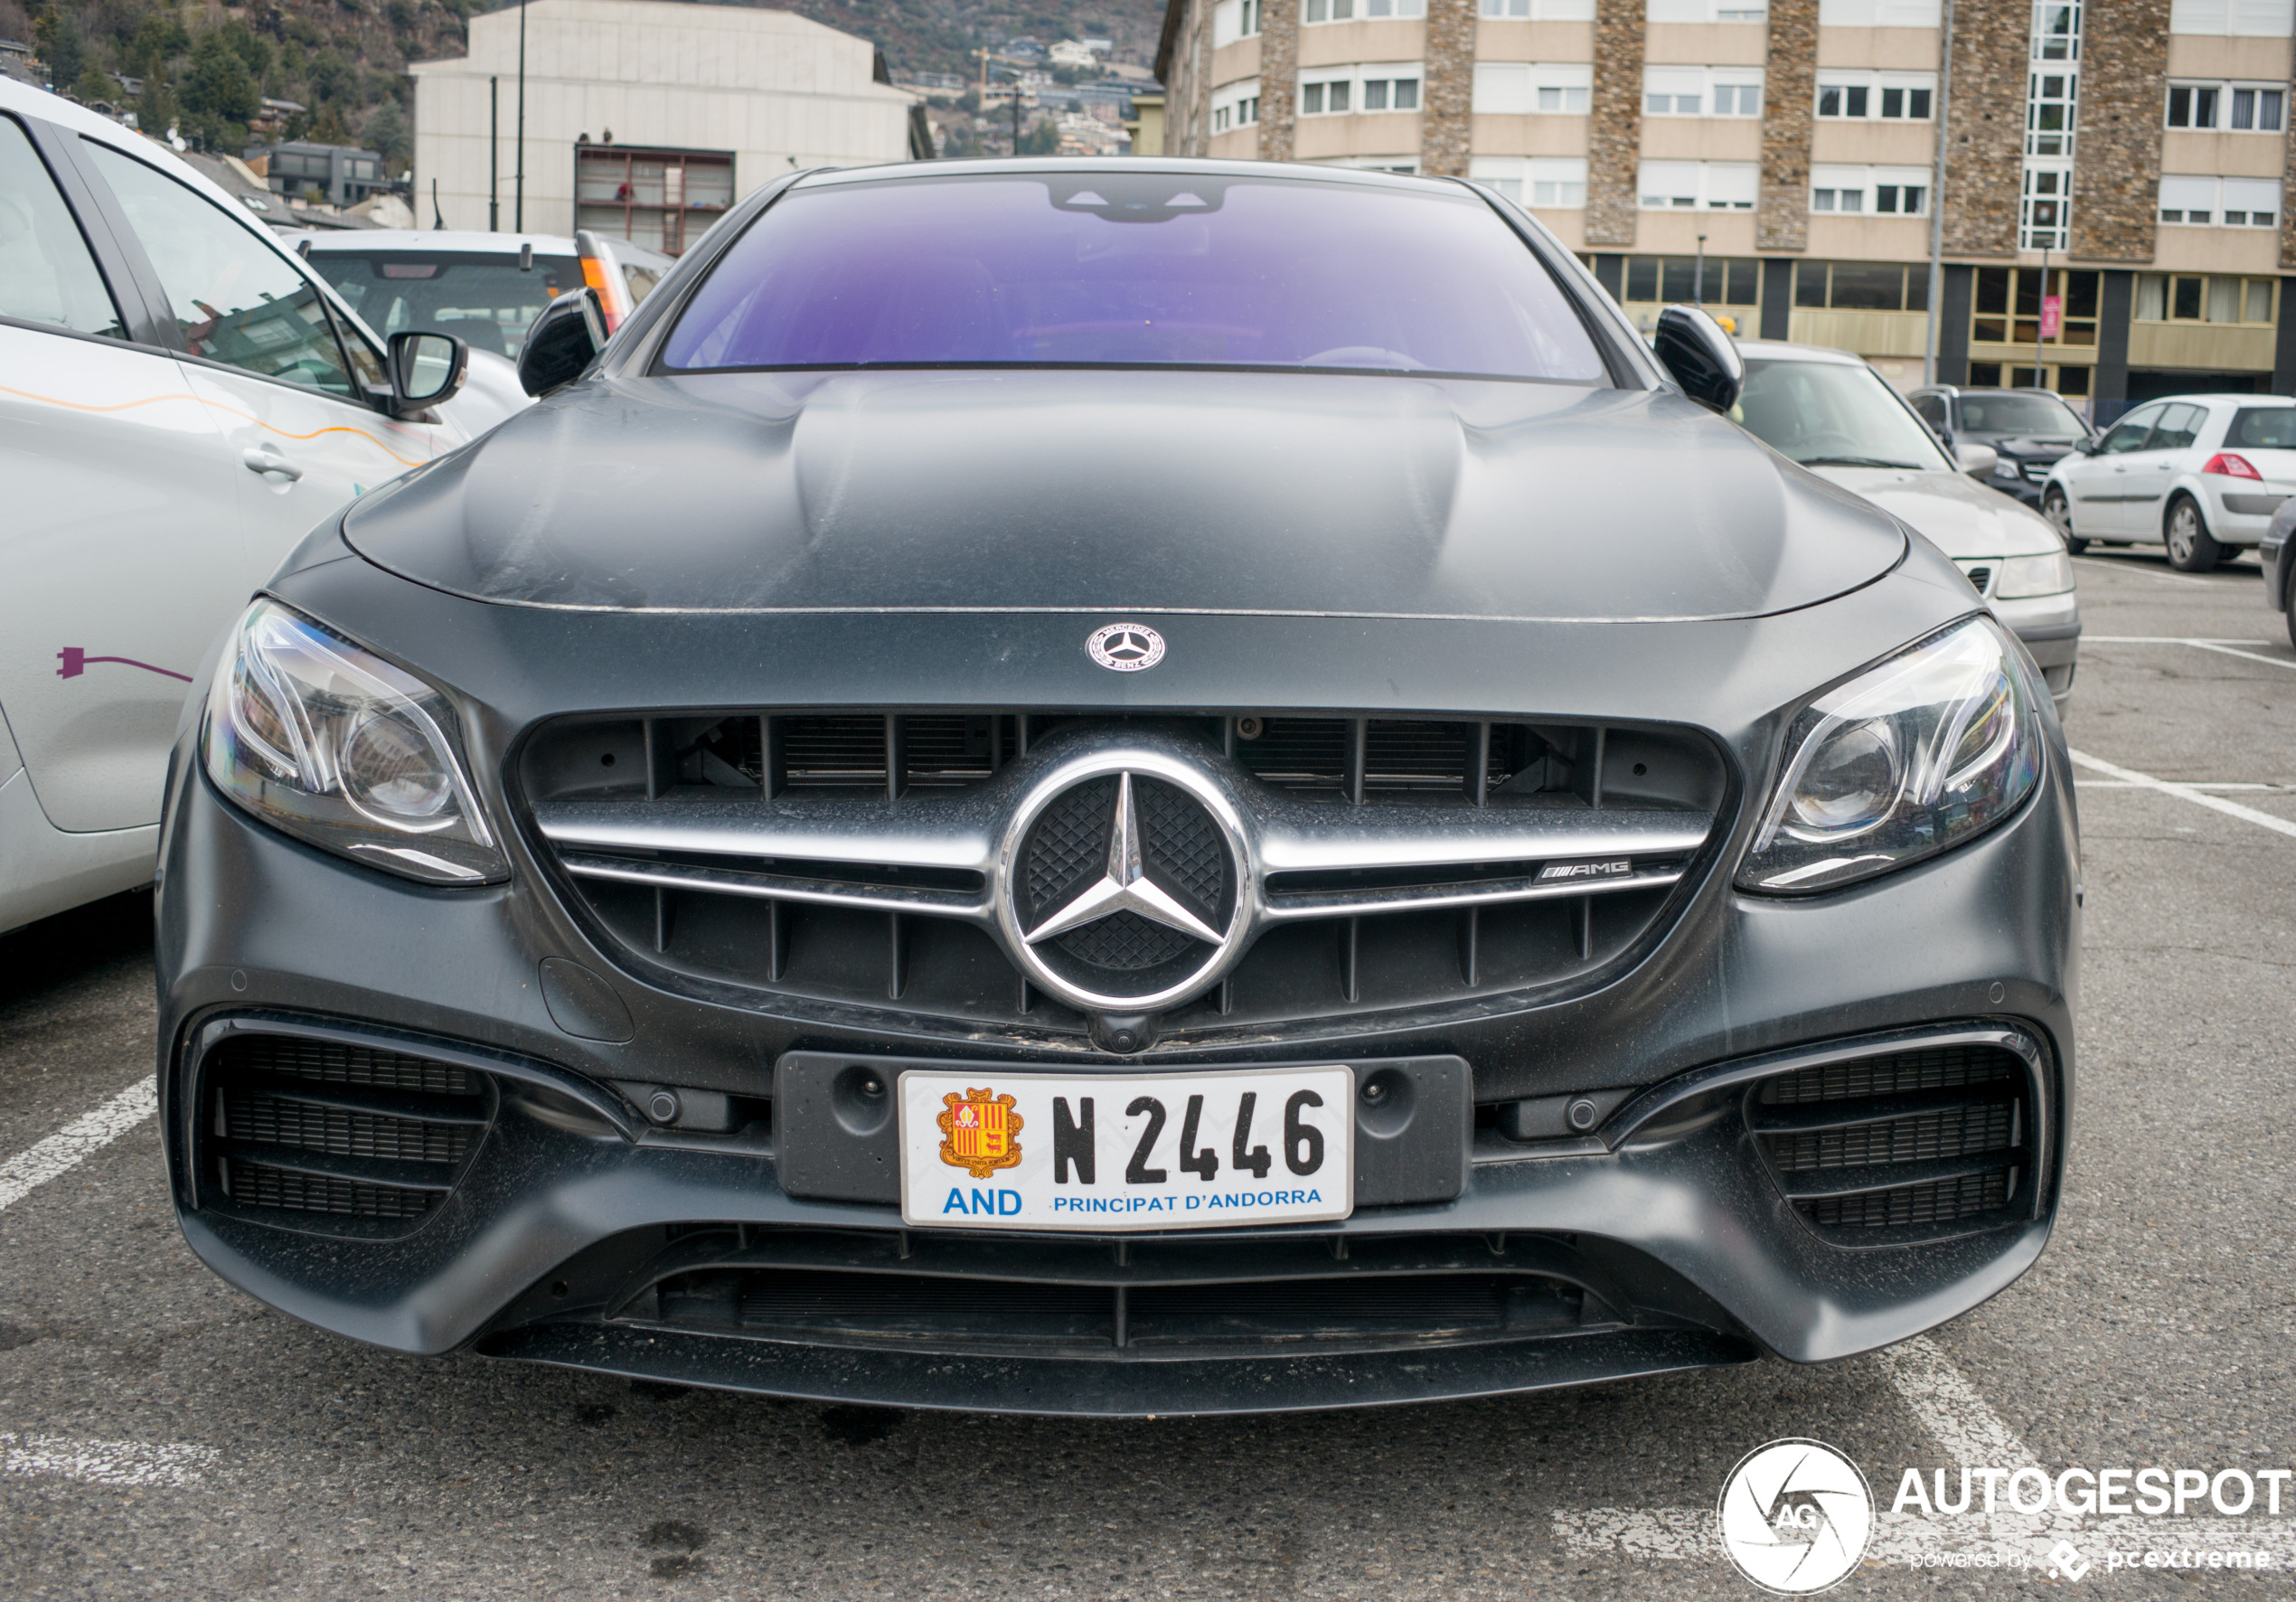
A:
(2056, 30)
(1543, 183)
(1525, 88)
(1884, 97)
(1702, 91)
(1337, 89)
(2190, 298)
(662, 199)
(2006, 306)
(1542, 10)
(2228, 107)
(1705, 11)
(1232, 20)
(2052, 101)
(1236, 106)
(2261, 19)
(1728, 280)
(1698, 185)
(1861, 286)
(1878, 14)
(1348, 10)
(2196, 202)
(1885, 192)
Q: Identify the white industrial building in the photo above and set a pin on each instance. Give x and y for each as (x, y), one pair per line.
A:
(645, 118)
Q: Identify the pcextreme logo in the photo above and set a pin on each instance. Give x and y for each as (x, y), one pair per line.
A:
(1795, 1516)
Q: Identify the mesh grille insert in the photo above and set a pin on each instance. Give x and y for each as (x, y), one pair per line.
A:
(1941, 1202)
(1920, 1143)
(349, 1139)
(253, 1185)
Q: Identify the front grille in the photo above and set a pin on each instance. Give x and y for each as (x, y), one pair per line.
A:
(1905, 1144)
(338, 1137)
(835, 856)
(1076, 1297)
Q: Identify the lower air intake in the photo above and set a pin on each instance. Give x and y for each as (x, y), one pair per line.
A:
(320, 1135)
(1903, 1145)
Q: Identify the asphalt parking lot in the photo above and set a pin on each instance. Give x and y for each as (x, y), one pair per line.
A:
(163, 1435)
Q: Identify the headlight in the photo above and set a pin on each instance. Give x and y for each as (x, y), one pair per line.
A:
(2025, 576)
(2005, 468)
(1914, 757)
(337, 747)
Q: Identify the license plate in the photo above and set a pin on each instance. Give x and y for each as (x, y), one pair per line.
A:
(985, 1150)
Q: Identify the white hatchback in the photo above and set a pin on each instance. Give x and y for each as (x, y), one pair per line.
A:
(2202, 474)
(181, 401)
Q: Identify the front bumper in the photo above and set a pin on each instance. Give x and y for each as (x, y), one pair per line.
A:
(1663, 1240)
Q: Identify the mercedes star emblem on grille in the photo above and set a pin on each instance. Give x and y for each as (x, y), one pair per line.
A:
(1124, 881)
(1126, 647)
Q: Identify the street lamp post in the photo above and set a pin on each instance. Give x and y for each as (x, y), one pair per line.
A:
(1698, 277)
(518, 207)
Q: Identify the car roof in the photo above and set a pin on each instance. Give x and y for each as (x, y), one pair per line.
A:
(1779, 350)
(1068, 165)
(445, 241)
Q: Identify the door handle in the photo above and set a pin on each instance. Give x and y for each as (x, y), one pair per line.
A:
(264, 459)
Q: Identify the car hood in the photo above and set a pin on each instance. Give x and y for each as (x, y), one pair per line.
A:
(1951, 510)
(1109, 492)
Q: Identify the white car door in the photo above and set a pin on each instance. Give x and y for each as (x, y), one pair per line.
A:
(2098, 484)
(288, 388)
(2145, 486)
(119, 543)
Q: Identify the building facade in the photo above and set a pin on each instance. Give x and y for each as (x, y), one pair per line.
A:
(2112, 208)
(642, 119)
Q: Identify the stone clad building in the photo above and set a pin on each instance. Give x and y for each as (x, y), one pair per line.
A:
(2143, 146)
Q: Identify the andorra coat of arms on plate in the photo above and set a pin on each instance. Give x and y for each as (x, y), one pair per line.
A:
(979, 1130)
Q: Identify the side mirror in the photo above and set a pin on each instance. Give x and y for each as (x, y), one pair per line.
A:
(425, 369)
(1977, 460)
(2088, 447)
(565, 339)
(1701, 356)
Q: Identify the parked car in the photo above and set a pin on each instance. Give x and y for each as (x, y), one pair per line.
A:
(2280, 568)
(181, 400)
(1829, 411)
(2202, 474)
(486, 287)
(2029, 431)
(1033, 791)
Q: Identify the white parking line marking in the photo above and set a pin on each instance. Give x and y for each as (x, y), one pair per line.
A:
(1973, 1435)
(2118, 566)
(1950, 1408)
(105, 1463)
(2192, 793)
(76, 1142)
(2223, 647)
(2218, 789)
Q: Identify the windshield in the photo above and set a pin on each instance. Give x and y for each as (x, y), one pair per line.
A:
(1148, 268)
(2043, 416)
(1832, 414)
(487, 300)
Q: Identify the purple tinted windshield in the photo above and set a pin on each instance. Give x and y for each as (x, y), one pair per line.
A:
(1184, 269)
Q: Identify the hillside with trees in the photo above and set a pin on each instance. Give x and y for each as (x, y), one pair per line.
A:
(206, 69)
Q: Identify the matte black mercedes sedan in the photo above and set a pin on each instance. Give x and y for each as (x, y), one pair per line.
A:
(1120, 787)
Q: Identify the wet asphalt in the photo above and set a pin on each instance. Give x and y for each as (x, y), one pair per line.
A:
(2156, 1328)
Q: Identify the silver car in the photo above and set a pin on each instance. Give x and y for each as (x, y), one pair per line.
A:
(1832, 413)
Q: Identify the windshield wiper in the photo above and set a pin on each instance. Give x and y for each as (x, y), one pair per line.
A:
(1853, 462)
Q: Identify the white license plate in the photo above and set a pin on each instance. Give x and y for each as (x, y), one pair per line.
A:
(983, 1149)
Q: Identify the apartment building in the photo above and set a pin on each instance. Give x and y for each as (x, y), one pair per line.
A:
(2112, 203)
